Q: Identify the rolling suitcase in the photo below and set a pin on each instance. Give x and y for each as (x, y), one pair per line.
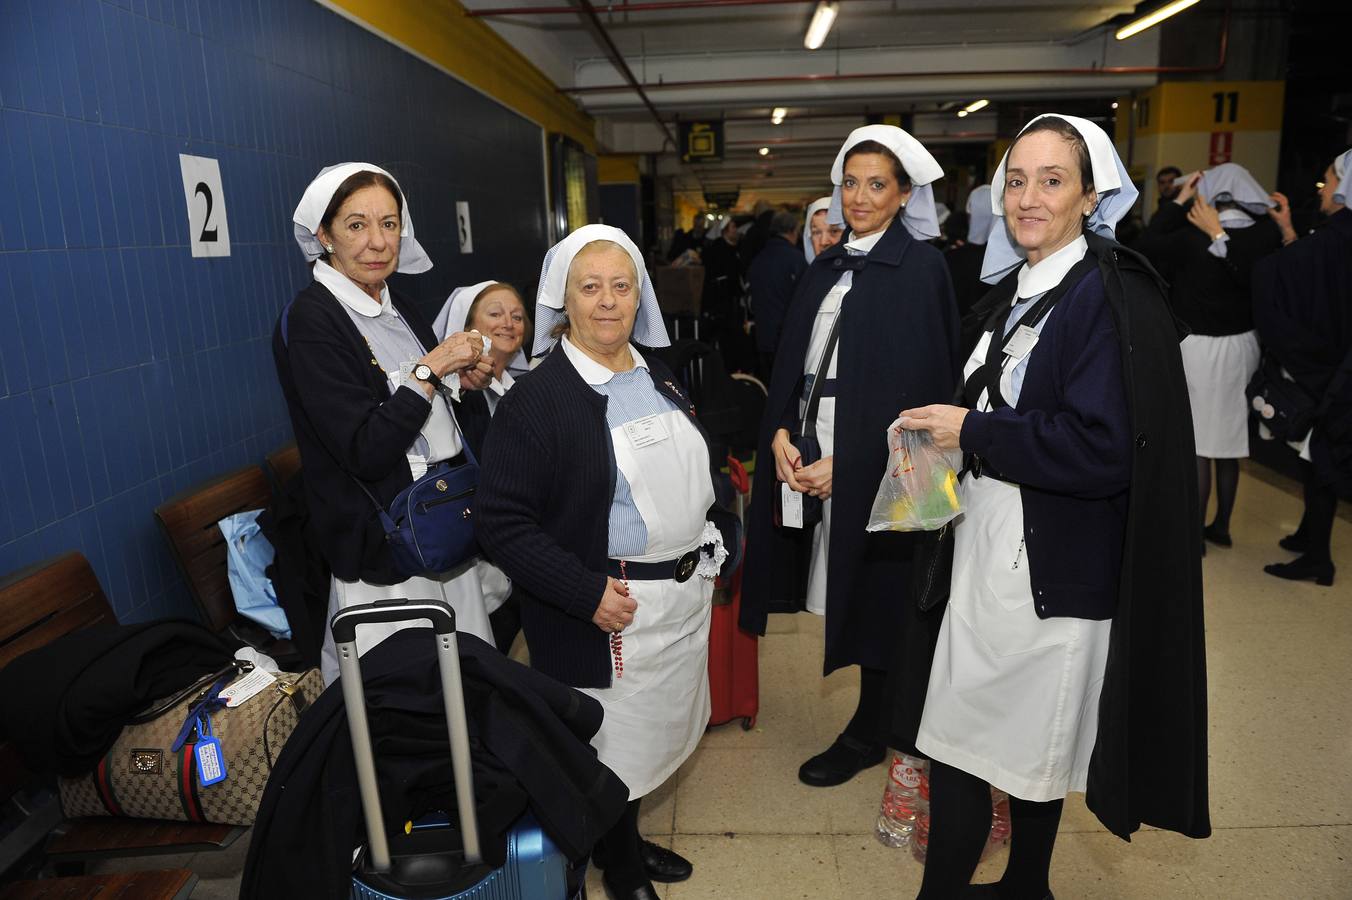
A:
(431, 858)
(734, 672)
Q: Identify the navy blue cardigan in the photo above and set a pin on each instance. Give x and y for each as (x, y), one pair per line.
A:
(1068, 445)
(546, 482)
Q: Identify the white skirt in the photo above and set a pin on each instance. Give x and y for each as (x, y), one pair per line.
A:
(1013, 699)
(461, 589)
(1218, 369)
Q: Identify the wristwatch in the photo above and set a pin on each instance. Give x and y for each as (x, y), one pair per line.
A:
(423, 372)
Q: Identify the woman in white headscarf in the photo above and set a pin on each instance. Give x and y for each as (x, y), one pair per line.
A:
(495, 310)
(1205, 244)
(884, 293)
(1073, 625)
(596, 497)
(361, 371)
(818, 234)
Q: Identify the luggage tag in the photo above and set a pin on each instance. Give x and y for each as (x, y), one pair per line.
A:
(247, 688)
(210, 759)
(1021, 343)
(791, 507)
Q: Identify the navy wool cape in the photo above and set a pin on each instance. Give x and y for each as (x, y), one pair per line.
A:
(897, 349)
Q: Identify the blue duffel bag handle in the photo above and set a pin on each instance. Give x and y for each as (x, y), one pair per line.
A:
(428, 526)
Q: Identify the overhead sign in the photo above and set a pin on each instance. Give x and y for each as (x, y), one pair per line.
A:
(208, 231)
(701, 141)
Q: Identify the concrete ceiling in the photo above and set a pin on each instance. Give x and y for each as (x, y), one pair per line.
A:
(735, 60)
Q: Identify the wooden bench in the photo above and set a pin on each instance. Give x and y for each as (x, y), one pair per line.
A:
(189, 521)
(39, 604)
(283, 463)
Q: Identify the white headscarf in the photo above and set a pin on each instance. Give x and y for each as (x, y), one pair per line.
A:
(1116, 195)
(942, 212)
(816, 206)
(979, 216)
(919, 214)
(649, 329)
(1342, 167)
(310, 211)
(1232, 182)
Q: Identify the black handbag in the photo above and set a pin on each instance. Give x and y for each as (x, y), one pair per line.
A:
(805, 439)
(1280, 404)
(932, 567)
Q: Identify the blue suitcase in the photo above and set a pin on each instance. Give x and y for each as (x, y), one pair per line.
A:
(430, 859)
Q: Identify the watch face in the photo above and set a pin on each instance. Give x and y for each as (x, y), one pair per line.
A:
(423, 372)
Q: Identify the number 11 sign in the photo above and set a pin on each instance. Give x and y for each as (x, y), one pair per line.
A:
(208, 232)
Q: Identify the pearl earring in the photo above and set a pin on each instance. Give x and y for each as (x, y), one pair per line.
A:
(328, 248)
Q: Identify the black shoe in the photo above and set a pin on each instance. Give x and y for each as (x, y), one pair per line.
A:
(662, 865)
(644, 891)
(1300, 569)
(843, 760)
(1294, 543)
(1216, 536)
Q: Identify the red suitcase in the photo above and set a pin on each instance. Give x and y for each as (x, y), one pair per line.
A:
(734, 674)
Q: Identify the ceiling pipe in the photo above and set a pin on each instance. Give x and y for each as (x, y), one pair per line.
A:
(624, 7)
(1222, 52)
(588, 13)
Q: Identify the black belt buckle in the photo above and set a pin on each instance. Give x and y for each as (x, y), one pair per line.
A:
(685, 566)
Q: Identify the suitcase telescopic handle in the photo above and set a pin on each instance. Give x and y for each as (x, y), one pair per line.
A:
(442, 616)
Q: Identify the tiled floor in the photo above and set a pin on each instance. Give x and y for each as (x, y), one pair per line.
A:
(1280, 663)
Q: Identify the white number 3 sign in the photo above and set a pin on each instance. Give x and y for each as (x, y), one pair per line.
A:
(208, 231)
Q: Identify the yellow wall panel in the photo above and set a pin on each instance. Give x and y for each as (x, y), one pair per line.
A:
(617, 169)
(1210, 106)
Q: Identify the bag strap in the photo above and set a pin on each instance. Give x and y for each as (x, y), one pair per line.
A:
(987, 376)
(814, 395)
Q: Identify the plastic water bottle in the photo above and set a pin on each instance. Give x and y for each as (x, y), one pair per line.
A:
(901, 795)
(1000, 826)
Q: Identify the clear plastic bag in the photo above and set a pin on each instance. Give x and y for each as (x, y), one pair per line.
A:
(919, 490)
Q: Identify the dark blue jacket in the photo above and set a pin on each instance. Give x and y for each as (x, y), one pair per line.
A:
(774, 275)
(897, 349)
(1068, 444)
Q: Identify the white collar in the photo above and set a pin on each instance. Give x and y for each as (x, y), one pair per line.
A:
(1235, 218)
(592, 371)
(353, 297)
(502, 385)
(865, 244)
(1047, 274)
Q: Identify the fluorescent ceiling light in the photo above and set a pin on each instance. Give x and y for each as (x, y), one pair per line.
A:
(976, 105)
(777, 115)
(823, 17)
(764, 151)
(1152, 19)
(962, 114)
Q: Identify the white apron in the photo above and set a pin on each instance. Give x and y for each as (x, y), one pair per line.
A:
(657, 706)
(461, 590)
(1013, 699)
(826, 437)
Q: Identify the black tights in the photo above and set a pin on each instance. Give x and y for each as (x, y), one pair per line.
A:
(1227, 485)
(1316, 523)
(620, 848)
(866, 725)
(960, 822)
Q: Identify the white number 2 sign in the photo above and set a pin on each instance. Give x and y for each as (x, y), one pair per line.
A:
(208, 231)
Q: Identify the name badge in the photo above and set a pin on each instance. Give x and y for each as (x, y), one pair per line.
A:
(791, 507)
(646, 431)
(1022, 343)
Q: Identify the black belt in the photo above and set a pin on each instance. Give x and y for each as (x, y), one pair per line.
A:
(678, 570)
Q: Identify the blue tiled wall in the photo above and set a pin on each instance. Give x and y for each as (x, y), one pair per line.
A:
(130, 370)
